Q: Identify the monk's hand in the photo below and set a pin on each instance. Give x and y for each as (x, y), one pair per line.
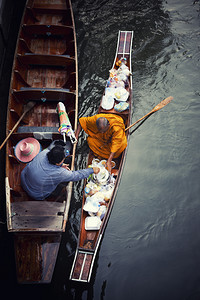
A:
(96, 170)
(109, 162)
(66, 166)
(108, 166)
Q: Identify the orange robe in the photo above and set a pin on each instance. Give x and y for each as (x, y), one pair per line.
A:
(113, 140)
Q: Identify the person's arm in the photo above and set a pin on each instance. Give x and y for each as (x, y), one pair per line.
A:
(78, 130)
(66, 175)
(108, 164)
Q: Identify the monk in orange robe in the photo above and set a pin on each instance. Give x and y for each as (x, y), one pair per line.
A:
(106, 135)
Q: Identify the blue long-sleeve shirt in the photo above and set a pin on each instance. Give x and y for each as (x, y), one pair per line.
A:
(40, 178)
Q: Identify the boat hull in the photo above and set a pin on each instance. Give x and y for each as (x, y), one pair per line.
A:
(89, 240)
(45, 72)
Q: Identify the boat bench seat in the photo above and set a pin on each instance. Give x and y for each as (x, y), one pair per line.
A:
(39, 132)
(22, 129)
(26, 48)
(45, 60)
(47, 30)
(47, 94)
(43, 90)
(47, 136)
(34, 11)
(37, 215)
(52, 8)
(70, 82)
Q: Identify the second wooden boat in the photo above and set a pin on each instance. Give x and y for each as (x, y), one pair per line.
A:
(89, 239)
(44, 73)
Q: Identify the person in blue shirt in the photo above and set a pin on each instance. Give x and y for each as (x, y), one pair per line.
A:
(47, 172)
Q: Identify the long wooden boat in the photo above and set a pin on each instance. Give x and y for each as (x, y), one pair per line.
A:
(89, 240)
(44, 72)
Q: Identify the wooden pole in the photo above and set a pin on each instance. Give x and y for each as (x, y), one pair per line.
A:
(28, 107)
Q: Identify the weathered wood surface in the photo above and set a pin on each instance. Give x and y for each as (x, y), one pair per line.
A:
(37, 208)
(37, 216)
(44, 95)
(47, 30)
(45, 60)
(82, 266)
(35, 257)
(37, 223)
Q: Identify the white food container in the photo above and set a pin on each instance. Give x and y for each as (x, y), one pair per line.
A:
(92, 223)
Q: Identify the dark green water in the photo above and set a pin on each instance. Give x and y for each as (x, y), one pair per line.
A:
(151, 247)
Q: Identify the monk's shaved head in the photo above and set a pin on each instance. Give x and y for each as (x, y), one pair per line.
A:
(102, 124)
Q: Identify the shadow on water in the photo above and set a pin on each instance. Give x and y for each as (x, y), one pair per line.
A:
(154, 253)
(138, 126)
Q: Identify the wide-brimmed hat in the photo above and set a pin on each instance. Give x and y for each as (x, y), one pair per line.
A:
(27, 149)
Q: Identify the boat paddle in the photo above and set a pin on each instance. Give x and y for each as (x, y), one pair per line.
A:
(27, 107)
(156, 108)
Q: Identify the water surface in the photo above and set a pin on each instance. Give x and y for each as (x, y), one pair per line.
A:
(151, 246)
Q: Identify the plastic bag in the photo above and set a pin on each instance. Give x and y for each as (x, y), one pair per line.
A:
(121, 94)
(122, 106)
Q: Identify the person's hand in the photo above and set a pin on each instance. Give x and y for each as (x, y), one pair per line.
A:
(109, 162)
(66, 166)
(96, 170)
(108, 166)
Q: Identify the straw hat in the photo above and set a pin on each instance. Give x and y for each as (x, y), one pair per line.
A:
(27, 149)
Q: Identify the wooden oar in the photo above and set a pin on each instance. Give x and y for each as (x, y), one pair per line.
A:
(156, 108)
(27, 107)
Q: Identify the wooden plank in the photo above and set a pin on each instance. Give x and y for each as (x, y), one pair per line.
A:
(44, 129)
(51, 16)
(48, 5)
(40, 77)
(16, 137)
(77, 266)
(87, 266)
(37, 208)
(37, 223)
(47, 30)
(44, 95)
(47, 39)
(82, 266)
(35, 257)
(45, 59)
(121, 42)
(125, 43)
(36, 118)
(58, 46)
(128, 42)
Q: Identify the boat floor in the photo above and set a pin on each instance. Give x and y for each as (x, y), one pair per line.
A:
(36, 257)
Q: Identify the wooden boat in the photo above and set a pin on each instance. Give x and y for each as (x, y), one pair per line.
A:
(89, 240)
(44, 72)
